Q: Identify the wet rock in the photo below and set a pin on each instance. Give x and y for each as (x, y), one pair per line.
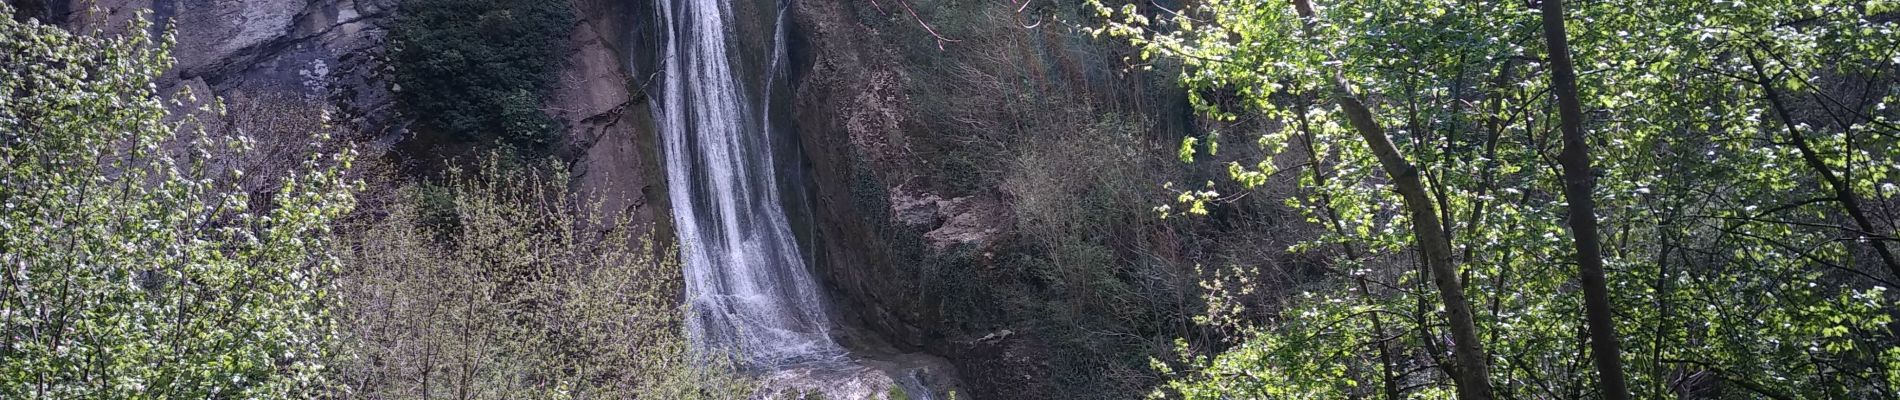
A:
(911, 376)
(828, 382)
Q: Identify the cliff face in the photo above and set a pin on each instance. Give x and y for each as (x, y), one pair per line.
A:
(329, 54)
(310, 51)
(852, 108)
(945, 141)
(610, 137)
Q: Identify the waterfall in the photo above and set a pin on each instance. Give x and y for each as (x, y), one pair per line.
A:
(748, 291)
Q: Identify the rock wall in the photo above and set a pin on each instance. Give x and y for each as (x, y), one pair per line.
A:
(851, 105)
(894, 221)
(329, 53)
(610, 142)
(323, 51)
(847, 107)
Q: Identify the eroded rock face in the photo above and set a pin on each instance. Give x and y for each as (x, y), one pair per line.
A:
(330, 53)
(846, 94)
(849, 105)
(916, 208)
(974, 221)
(323, 51)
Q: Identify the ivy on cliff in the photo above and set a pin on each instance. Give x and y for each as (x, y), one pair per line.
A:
(478, 70)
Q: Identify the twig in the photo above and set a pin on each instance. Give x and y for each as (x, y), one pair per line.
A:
(927, 28)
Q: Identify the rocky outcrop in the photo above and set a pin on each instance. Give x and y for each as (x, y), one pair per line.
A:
(972, 221)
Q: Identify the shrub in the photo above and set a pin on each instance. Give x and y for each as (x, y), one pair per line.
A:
(527, 295)
(482, 78)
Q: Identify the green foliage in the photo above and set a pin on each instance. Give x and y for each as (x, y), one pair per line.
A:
(530, 295)
(136, 264)
(478, 70)
(435, 208)
(1730, 254)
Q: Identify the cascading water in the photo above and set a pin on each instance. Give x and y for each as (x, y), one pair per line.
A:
(748, 289)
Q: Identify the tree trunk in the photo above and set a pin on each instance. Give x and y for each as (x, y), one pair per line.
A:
(1472, 372)
(1473, 369)
(1578, 184)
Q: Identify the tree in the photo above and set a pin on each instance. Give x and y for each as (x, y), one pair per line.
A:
(135, 263)
(1705, 207)
(1429, 232)
(1578, 184)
